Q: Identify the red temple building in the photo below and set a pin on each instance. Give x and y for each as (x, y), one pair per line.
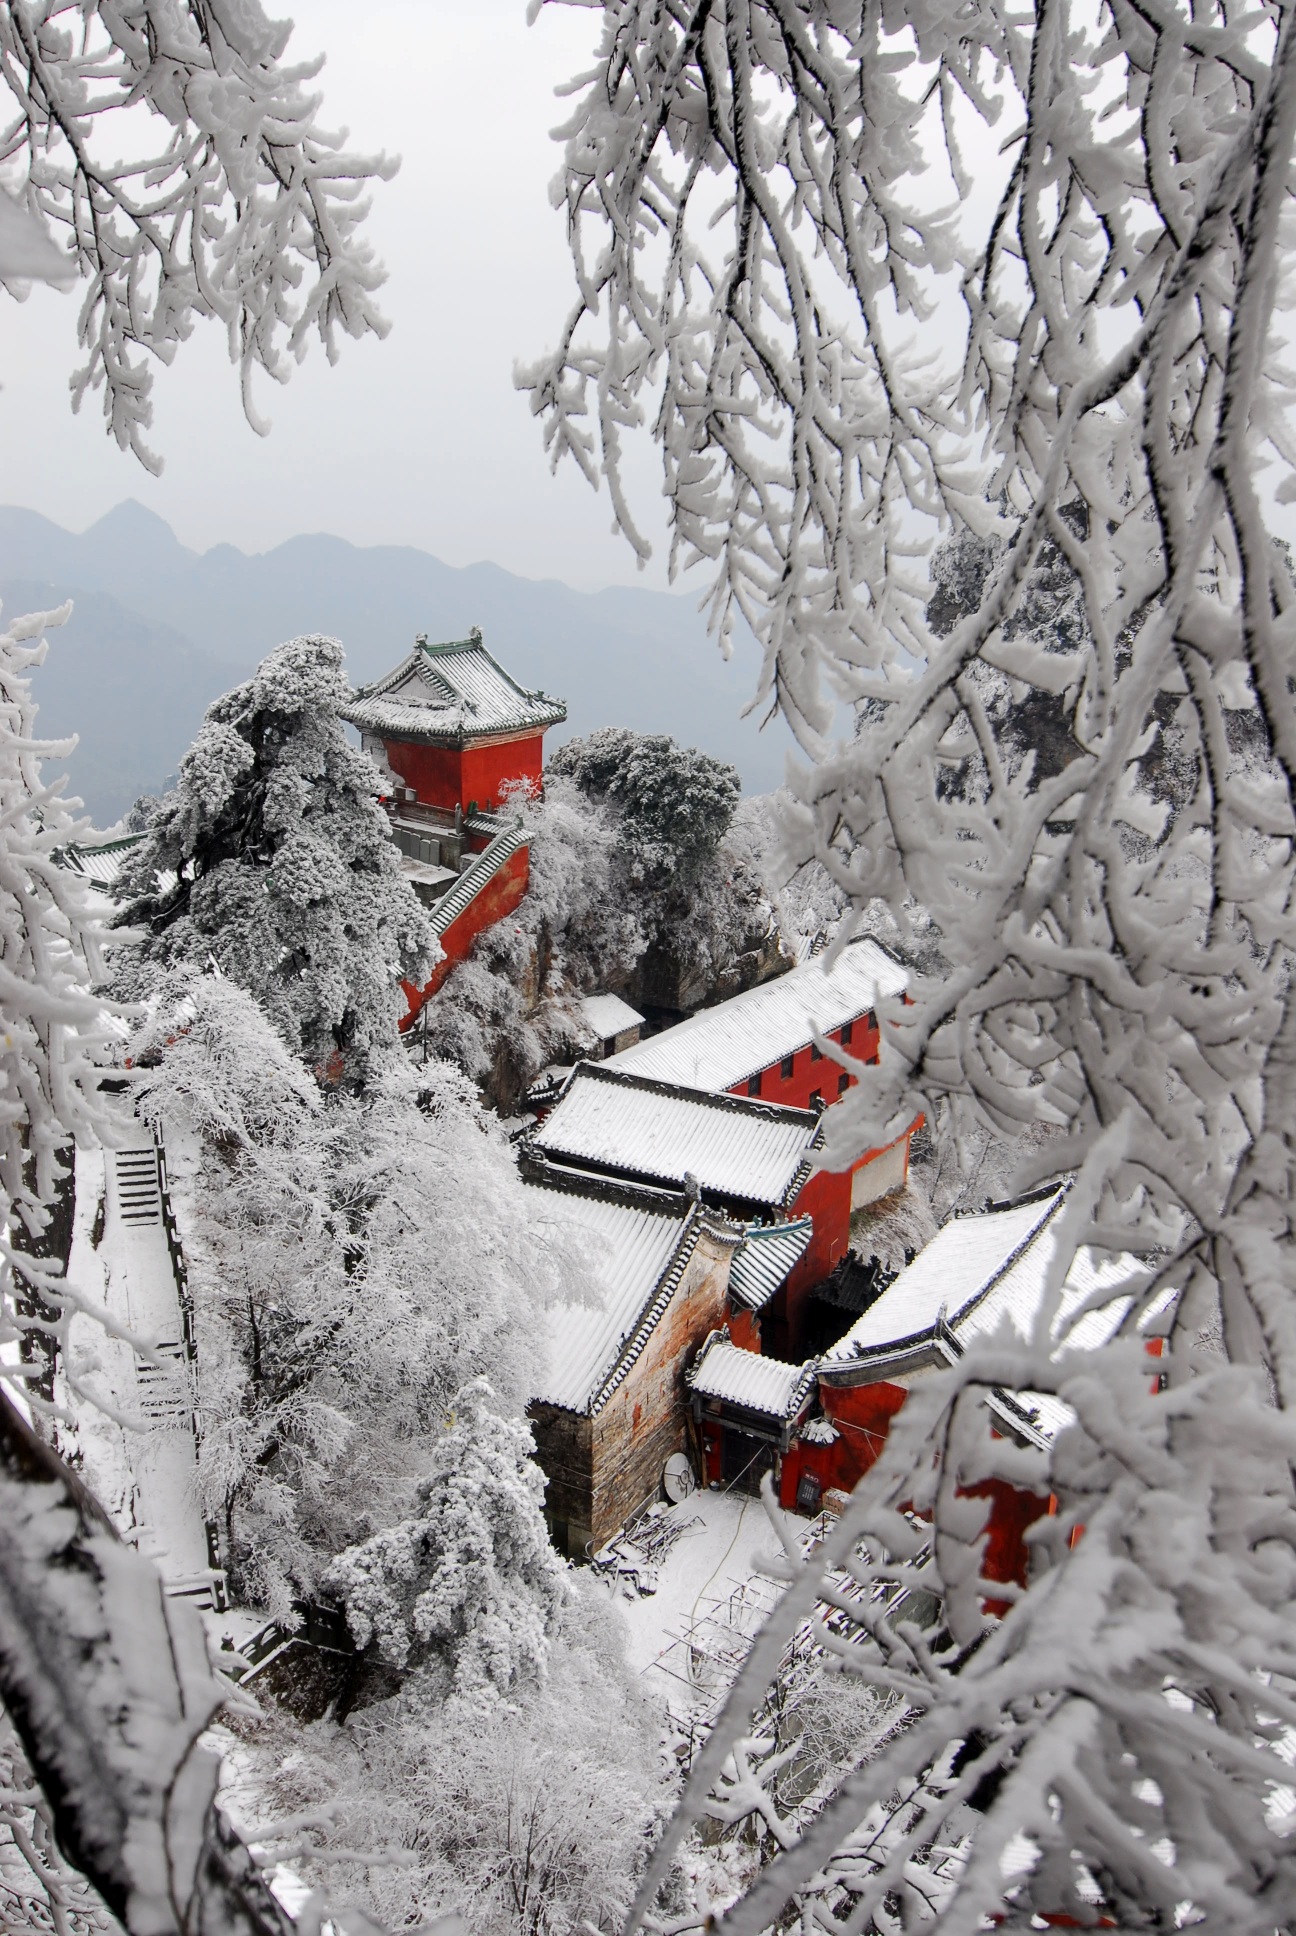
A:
(762, 1045)
(820, 1425)
(457, 741)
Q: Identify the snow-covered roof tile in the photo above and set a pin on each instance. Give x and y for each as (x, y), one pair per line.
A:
(724, 1045)
(449, 693)
(102, 862)
(947, 1277)
(979, 1272)
(608, 1015)
(1018, 1294)
(744, 1378)
(636, 1249)
(757, 1152)
(768, 1253)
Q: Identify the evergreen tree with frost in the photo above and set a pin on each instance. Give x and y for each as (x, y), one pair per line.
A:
(353, 1262)
(673, 803)
(272, 857)
(467, 1589)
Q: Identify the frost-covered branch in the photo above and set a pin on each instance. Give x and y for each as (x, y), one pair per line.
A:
(54, 1030)
(107, 1682)
(185, 163)
(1082, 767)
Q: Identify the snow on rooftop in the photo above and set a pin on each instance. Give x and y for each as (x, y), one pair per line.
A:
(751, 1150)
(768, 1253)
(451, 692)
(979, 1272)
(946, 1277)
(724, 1045)
(746, 1378)
(609, 1015)
(101, 861)
(1019, 1292)
(631, 1249)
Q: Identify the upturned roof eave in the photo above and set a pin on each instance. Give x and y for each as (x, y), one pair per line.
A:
(455, 738)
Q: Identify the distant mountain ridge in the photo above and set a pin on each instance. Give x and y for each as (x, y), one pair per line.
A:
(159, 631)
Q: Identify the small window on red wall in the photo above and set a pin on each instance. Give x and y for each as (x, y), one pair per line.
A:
(846, 1034)
(843, 1083)
(786, 1066)
(816, 1053)
(753, 1085)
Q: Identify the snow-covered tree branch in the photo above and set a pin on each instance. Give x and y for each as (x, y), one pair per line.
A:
(87, 1635)
(776, 207)
(54, 1035)
(185, 162)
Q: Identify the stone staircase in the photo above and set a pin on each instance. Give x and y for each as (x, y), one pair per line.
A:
(139, 1185)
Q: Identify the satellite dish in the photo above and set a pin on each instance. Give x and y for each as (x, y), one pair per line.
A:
(677, 1478)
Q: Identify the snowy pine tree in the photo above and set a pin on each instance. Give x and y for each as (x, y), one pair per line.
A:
(467, 1589)
(285, 871)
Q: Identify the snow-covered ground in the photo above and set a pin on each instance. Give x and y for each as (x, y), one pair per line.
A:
(725, 1553)
(137, 1443)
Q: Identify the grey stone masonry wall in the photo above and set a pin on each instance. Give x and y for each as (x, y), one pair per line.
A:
(646, 1419)
(563, 1451)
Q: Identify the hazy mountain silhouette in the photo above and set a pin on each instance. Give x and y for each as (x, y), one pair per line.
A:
(158, 631)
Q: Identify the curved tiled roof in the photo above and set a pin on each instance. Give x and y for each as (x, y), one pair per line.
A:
(745, 1378)
(753, 1151)
(446, 695)
(721, 1046)
(768, 1253)
(948, 1279)
(637, 1248)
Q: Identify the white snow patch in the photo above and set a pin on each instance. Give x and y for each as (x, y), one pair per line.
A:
(726, 1541)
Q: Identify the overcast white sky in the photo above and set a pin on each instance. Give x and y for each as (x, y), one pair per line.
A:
(420, 439)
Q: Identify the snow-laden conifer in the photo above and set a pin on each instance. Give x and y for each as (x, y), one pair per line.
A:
(467, 1588)
(272, 857)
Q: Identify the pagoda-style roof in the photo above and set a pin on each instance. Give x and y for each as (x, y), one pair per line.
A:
(449, 695)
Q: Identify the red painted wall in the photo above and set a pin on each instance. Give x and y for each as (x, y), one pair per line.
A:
(447, 776)
(826, 1197)
(863, 1415)
(744, 1328)
(809, 1074)
(1012, 1513)
(712, 1456)
(487, 770)
(499, 897)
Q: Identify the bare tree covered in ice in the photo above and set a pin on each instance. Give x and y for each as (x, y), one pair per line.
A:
(776, 208)
(183, 161)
